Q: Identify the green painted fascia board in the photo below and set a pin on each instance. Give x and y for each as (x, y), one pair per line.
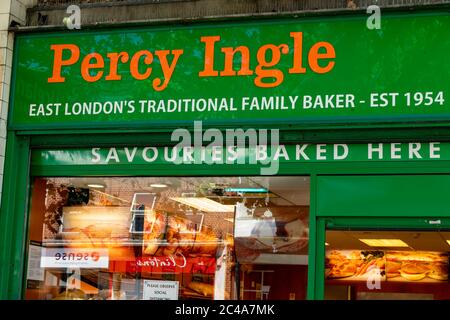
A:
(409, 195)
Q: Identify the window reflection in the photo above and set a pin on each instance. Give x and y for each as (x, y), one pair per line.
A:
(168, 238)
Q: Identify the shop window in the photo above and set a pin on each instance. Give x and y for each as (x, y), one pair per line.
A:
(387, 265)
(122, 238)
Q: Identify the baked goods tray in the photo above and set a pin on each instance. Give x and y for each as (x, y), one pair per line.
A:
(190, 294)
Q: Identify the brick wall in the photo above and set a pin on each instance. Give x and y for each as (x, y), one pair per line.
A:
(10, 10)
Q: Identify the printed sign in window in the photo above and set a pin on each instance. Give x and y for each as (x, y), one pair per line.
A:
(160, 290)
(34, 271)
(74, 258)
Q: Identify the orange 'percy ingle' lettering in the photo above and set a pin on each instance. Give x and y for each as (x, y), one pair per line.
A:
(92, 67)
(58, 61)
(320, 60)
(236, 61)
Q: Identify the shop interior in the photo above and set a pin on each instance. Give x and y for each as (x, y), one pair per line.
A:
(122, 238)
(387, 265)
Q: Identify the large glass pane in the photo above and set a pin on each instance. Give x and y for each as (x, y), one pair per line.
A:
(387, 265)
(137, 238)
(271, 241)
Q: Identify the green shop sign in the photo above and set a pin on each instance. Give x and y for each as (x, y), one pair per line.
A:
(295, 71)
(257, 155)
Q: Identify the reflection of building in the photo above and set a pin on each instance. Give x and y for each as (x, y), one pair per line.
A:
(170, 246)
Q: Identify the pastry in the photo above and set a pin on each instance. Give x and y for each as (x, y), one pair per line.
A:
(414, 271)
(205, 243)
(393, 268)
(204, 289)
(343, 270)
(438, 271)
(154, 227)
(71, 294)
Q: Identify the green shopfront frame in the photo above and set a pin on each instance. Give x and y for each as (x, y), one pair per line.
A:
(18, 176)
(331, 182)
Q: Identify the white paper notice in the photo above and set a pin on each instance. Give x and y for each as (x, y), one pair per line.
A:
(35, 272)
(160, 290)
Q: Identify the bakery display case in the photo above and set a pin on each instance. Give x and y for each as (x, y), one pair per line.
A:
(161, 238)
(386, 265)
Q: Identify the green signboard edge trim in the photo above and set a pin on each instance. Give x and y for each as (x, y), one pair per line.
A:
(354, 168)
(320, 134)
(348, 122)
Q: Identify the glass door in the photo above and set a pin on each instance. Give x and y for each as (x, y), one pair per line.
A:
(386, 263)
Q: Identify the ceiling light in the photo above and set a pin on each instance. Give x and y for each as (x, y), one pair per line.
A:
(327, 244)
(384, 242)
(158, 185)
(204, 204)
(95, 185)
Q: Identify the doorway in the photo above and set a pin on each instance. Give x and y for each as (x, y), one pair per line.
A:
(386, 264)
(382, 237)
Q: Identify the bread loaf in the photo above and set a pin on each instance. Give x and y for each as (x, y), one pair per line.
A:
(204, 289)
